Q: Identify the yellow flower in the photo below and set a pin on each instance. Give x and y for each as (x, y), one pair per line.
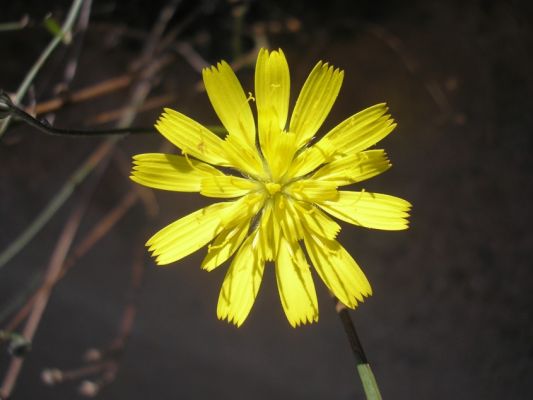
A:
(283, 187)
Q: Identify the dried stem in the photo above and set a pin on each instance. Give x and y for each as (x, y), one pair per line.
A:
(30, 76)
(139, 95)
(54, 268)
(87, 93)
(57, 201)
(130, 311)
(87, 243)
(102, 152)
(10, 109)
(15, 26)
(150, 104)
(72, 64)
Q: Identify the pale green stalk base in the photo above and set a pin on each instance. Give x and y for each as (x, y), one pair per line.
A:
(369, 382)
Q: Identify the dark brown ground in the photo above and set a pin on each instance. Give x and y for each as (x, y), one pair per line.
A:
(451, 313)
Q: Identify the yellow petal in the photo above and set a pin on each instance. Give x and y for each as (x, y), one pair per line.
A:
(236, 223)
(312, 190)
(288, 217)
(189, 233)
(225, 244)
(272, 89)
(338, 270)
(316, 221)
(241, 283)
(170, 172)
(359, 132)
(229, 101)
(269, 232)
(371, 210)
(295, 285)
(315, 101)
(306, 161)
(279, 151)
(191, 137)
(244, 158)
(226, 186)
(354, 168)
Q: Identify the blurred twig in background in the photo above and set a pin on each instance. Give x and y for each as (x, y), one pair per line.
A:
(41, 300)
(99, 158)
(30, 76)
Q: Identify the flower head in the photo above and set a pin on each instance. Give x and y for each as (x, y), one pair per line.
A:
(283, 189)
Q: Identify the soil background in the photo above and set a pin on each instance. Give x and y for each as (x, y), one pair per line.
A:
(450, 317)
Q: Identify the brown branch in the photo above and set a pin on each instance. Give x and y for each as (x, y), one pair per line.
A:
(130, 311)
(98, 232)
(113, 115)
(97, 157)
(101, 229)
(57, 260)
(41, 300)
(72, 63)
(87, 93)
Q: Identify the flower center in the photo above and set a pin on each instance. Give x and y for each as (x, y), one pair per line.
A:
(272, 188)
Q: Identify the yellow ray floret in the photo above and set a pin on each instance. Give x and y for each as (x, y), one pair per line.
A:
(272, 91)
(230, 103)
(241, 283)
(295, 285)
(280, 185)
(338, 270)
(358, 132)
(192, 138)
(371, 210)
(171, 172)
(315, 101)
(354, 168)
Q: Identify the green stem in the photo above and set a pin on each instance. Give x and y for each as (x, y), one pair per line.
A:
(30, 76)
(57, 201)
(15, 26)
(370, 386)
(366, 375)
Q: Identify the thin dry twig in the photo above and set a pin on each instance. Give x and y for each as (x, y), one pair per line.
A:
(87, 93)
(102, 364)
(32, 73)
(57, 201)
(41, 300)
(101, 229)
(150, 104)
(139, 95)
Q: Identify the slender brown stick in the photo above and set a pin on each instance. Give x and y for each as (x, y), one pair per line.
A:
(130, 311)
(52, 273)
(87, 93)
(95, 234)
(150, 104)
(139, 95)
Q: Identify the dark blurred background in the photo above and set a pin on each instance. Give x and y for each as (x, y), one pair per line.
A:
(451, 312)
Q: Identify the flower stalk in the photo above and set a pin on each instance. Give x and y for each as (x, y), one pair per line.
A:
(364, 370)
